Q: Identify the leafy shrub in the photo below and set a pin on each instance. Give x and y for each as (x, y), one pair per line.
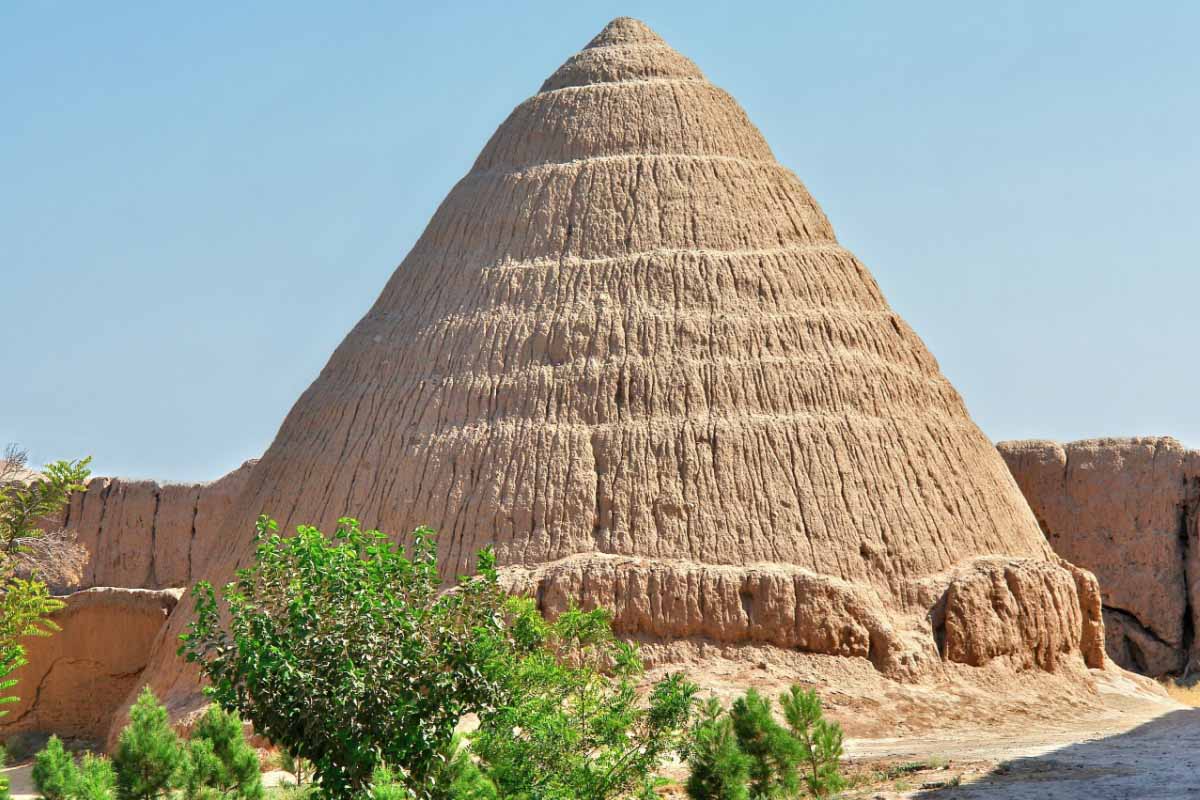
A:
(54, 771)
(24, 608)
(573, 725)
(149, 754)
(24, 602)
(820, 741)
(719, 770)
(24, 505)
(370, 663)
(220, 759)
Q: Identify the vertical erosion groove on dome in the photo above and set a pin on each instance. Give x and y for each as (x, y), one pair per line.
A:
(629, 352)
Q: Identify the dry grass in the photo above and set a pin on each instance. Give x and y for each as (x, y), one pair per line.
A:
(56, 557)
(1186, 693)
(865, 779)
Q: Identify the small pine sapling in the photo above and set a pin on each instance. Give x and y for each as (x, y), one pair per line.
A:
(820, 741)
(574, 724)
(773, 752)
(459, 777)
(54, 771)
(220, 758)
(719, 770)
(200, 765)
(386, 785)
(149, 754)
(94, 779)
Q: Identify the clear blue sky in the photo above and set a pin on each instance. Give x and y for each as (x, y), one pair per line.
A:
(197, 201)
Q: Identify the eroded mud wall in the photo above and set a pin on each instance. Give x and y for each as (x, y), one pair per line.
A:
(1126, 509)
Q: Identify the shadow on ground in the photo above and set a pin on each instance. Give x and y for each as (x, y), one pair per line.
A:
(1160, 759)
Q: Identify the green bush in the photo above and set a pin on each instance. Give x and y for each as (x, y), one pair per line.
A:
(54, 771)
(219, 758)
(718, 769)
(573, 724)
(58, 777)
(200, 764)
(149, 754)
(346, 652)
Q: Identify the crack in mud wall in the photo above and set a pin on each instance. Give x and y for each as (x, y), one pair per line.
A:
(149, 535)
(77, 679)
(1189, 515)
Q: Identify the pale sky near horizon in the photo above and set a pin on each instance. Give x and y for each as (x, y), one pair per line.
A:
(198, 201)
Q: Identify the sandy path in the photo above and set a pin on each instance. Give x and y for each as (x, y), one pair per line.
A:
(1138, 748)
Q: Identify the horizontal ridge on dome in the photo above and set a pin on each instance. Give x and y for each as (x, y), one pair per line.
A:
(671, 252)
(691, 116)
(624, 82)
(591, 161)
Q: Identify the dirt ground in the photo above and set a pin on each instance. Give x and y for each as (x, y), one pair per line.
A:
(22, 780)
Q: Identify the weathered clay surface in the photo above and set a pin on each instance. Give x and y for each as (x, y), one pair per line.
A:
(147, 535)
(77, 679)
(629, 352)
(1126, 510)
(997, 609)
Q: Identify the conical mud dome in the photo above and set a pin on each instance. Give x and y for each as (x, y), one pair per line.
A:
(629, 352)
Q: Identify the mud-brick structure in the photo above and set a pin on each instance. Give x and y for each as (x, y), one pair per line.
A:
(630, 353)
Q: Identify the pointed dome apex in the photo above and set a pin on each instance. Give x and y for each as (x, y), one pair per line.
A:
(626, 50)
(625, 30)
